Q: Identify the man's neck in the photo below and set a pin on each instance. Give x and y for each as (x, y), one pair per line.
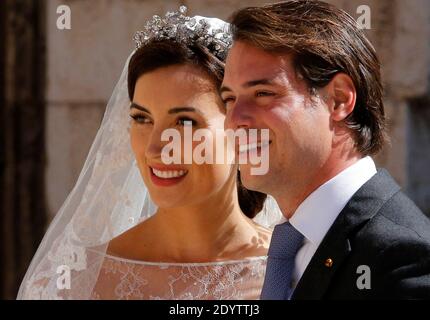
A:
(290, 200)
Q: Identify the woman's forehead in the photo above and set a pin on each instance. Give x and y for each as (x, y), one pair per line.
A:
(177, 86)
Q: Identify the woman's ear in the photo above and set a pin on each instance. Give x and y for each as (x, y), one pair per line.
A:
(343, 96)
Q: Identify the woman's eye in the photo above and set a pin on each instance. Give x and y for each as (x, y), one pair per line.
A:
(228, 100)
(186, 121)
(140, 119)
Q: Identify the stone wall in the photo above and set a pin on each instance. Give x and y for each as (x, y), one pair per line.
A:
(85, 62)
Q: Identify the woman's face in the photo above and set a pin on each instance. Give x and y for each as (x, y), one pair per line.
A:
(167, 98)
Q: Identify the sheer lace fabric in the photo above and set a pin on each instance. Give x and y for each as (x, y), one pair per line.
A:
(124, 279)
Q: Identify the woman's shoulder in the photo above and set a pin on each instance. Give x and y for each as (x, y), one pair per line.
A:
(264, 233)
(260, 242)
(126, 244)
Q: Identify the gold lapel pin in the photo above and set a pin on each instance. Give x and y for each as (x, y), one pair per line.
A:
(328, 263)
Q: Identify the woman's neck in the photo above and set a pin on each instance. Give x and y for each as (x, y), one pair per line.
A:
(213, 230)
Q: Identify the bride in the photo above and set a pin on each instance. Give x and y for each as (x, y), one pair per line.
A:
(136, 228)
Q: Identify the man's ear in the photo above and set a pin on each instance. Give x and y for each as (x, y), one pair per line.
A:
(343, 96)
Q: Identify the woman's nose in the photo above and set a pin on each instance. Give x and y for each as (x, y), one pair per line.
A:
(155, 144)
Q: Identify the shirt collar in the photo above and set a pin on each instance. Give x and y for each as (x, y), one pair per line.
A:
(316, 214)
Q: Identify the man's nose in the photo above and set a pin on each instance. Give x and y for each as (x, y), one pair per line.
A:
(241, 115)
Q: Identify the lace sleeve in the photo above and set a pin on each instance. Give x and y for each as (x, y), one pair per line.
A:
(70, 273)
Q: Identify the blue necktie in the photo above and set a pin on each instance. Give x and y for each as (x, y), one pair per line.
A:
(285, 243)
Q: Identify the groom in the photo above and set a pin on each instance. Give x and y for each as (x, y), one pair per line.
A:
(304, 70)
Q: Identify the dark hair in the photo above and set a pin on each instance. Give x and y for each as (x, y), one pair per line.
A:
(323, 41)
(164, 53)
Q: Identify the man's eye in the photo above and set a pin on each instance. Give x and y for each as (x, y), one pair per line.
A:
(264, 94)
(186, 121)
(140, 119)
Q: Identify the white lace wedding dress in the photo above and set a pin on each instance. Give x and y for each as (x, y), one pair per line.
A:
(124, 279)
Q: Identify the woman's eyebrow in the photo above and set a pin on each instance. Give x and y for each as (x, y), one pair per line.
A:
(184, 109)
(136, 106)
(171, 111)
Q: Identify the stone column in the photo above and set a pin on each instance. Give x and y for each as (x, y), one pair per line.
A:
(22, 159)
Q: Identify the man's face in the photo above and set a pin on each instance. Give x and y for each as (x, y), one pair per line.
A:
(262, 91)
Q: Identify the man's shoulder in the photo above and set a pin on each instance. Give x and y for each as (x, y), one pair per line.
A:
(398, 221)
(384, 215)
(400, 212)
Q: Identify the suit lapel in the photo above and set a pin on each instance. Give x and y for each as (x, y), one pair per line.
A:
(334, 249)
(336, 246)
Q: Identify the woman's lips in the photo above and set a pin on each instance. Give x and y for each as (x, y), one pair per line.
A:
(167, 176)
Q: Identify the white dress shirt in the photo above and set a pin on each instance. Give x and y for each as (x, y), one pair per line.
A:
(316, 214)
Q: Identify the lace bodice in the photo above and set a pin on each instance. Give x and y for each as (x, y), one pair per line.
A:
(98, 276)
(128, 279)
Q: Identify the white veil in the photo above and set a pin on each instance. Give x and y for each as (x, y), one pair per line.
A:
(109, 198)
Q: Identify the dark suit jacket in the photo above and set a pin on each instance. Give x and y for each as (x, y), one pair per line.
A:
(380, 228)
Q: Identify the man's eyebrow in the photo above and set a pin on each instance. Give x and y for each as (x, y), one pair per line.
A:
(249, 84)
(136, 106)
(254, 83)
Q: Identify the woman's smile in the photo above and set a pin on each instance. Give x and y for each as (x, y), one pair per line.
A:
(167, 175)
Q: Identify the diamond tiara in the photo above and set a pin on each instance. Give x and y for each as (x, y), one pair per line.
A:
(211, 33)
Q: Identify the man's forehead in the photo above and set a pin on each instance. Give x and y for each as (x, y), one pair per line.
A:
(250, 63)
(248, 53)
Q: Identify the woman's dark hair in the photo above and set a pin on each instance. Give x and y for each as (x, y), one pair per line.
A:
(163, 53)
